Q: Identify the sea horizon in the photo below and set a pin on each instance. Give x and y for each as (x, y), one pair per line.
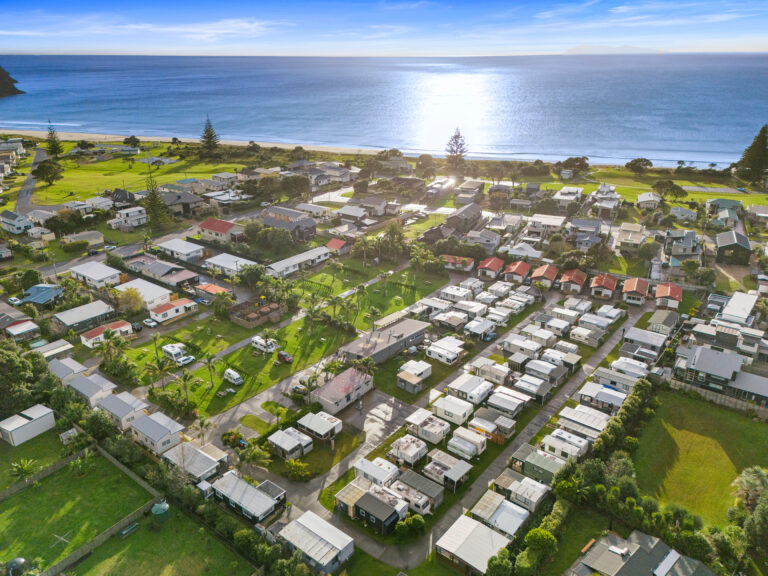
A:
(698, 107)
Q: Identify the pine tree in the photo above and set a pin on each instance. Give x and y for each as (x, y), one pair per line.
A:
(454, 154)
(754, 161)
(157, 211)
(52, 141)
(209, 139)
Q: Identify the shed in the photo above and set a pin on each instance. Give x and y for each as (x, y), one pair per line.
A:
(469, 545)
(27, 424)
(496, 512)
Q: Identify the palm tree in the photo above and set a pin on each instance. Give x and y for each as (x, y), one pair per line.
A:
(155, 338)
(253, 454)
(373, 315)
(185, 380)
(23, 469)
(365, 365)
(158, 370)
(113, 344)
(337, 267)
(203, 424)
(350, 309)
(750, 485)
(210, 361)
(360, 291)
(336, 301)
(365, 245)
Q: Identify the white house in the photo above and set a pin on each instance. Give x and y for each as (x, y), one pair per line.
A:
(172, 309)
(157, 432)
(92, 388)
(323, 546)
(95, 336)
(452, 409)
(27, 424)
(181, 249)
(307, 259)
(14, 223)
(129, 218)
(378, 471)
(151, 294)
(469, 545)
(122, 408)
(427, 426)
(227, 264)
(244, 497)
(95, 274)
(447, 350)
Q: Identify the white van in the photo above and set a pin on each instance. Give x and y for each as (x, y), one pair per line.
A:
(174, 351)
(233, 377)
(262, 345)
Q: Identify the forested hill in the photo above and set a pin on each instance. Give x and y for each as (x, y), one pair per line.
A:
(7, 84)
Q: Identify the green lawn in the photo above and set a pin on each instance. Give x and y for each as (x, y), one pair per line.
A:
(582, 525)
(413, 231)
(76, 509)
(642, 322)
(88, 180)
(724, 284)
(255, 423)
(260, 371)
(385, 377)
(688, 436)
(178, 548)
(363, 564)
(353, 273)
(327, 496)
(620, 265)
(44, 450)
(322, 458)
(689, 301)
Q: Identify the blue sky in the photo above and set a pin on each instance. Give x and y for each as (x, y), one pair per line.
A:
(383, 27)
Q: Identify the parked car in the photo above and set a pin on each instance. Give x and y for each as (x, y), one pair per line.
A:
(136, 327)
(266, 346)
(284, 357)
(184, 360)
(203, 301)
(110, 247)
(149, 323)
(13, 301)
(299, 389)
(233, 377)
(490, 337)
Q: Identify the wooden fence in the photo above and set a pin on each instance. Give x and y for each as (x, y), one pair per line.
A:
(44, 473)
(722, 400)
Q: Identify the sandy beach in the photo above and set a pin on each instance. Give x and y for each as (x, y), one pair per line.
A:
(73, 136)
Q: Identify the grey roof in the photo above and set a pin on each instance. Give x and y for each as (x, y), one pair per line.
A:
(666, 317)
(640, 336)
(316, 538)
(730, 238)
(65, 366)
(244, 494)
(715, 362)
(89, 386)
(471, 210)
(383, 338)
(751, 384)
(375, 507)
(418, 482)
(472, 542)
(191, 459)
(271, 489)
(120, 405)
(84, 312)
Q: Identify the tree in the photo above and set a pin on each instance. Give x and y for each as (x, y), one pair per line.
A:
(130, 300)
(500, 565)
(22, 469)
(296, 186)
(186, 380)
(82, 464)
(756, 525)
(648, 251)
(750, 485)
(365, 365)
(253, 454)
(203, 425)
(373, 315)
(666, 188)
(157, 212)
(455, 151)
(542, 542)
(639, 165)
(52, 143)
(132, 141)
(113, 345)
(209, 140)
(297, 470)
(754, 160)
(30, 278)
(210, 361)
(222, 302)
(360, 186)
(158, 370)
(99, 425)
(425, 166)
(49, 171)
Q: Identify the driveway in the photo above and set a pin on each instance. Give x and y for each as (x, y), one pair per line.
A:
(24, 201)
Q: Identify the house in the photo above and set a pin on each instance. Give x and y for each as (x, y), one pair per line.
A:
(567, 195)
(630, 367)
(182, 203)
(446, 470)
(474, 285)
(65, 369)
(339, 247)
(429, 488)
(314, 210)
(489, 369)
(172, 310)
(289, 444)
(42, 294)
(467, 443)
(168, 273)
(93, 237)
(55, 349)
(412, 374)
(323, 547)
(181, 250)
(488, 239)
(601, 397)
(452, 409)
(631, 237)
(407, 450)
(638, 555)
(606, 202)
(537, 464)
(384, 343)
(351, 214)
(447, 350)
(603, 285)
(551, 373)
(244, 497)
(714, 205)
(590, 320)
(545, 274)
(726, 218)
(758, 214)
(517, 343)
(122, 408)
(521, 250)
(468, 545)
(301, 226)
(500, 514)
(14, 223)
(465, 218)
(96, 274)
(227, 178)
(129, 218)
(614, 379)
(683, 214)
(517, 272)
(194, 462)
(27, 424)
(5, 252)
(505, 223)
(521, 490)
(542, 225)
(655, 341)
(92, 338)
(342, 390)
(648, 201)
(288, 266)
(469, 387)
(681, 244)
(490, 267)
(427, 426)
(156, 432)
(321, 425)
(732, 248)
(668, 296)
(380, 513)
(227, 264)
(374, 206)
(216, 230)
(22, 330)
(564, 444)
(151, 294)
(538, 388)
(573, 281)
(578, 226)
(635, 291)
(225, 197)
(209, 291)
(377, 471)
(83, 317)
(663, 322)
(583, 421)
(739, 309)
(460, 263)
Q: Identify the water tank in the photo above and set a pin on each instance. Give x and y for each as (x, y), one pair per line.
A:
(160, 512)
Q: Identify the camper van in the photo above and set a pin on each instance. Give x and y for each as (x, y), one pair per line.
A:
(262, 345)
(233, 377)
(174, 351)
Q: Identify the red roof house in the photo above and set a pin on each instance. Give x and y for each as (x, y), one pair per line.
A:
(603, 285)
(217, 230)
(669, 296)
(546, 274)
(517, 271)
(573, 281)
(463, 263)
(338, 246)
(172, 309)
(635, 291)
(95, 336)
(490, 267)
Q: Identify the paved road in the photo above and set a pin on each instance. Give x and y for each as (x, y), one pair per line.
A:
(24, 201)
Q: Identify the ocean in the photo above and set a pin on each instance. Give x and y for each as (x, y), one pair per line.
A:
(698, 108)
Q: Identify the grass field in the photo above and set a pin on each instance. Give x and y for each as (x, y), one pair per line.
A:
(178, 548)
(363, 564)
(255, 423)
(385, 377)
(620, 265)
(351, 275)
(44, 450)
(260, 371)
(322, 458)
(90, 179)
(75, 508)
(681, 441)
(689, 301)
(582, 525)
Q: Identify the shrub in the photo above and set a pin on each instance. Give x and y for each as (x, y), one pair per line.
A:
(75, 247)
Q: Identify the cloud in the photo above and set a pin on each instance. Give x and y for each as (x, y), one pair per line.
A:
(405, 5)
(566, 10)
